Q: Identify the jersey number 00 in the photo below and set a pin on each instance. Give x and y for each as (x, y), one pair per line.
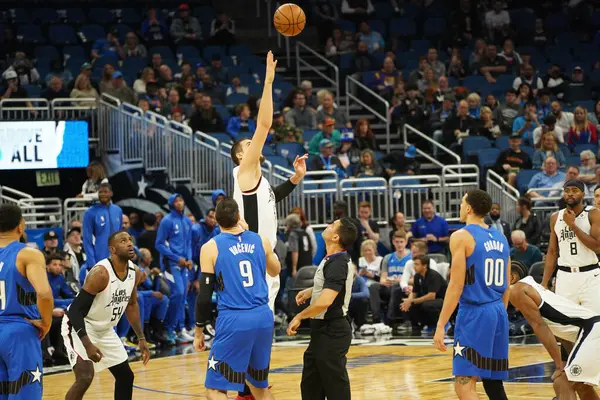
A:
(494, 272)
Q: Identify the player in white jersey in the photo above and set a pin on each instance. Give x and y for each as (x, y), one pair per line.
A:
(88, 325)
(574, 244)
(551, 315)
(255, 197)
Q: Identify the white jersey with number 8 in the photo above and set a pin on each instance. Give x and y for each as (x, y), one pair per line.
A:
(572, 252)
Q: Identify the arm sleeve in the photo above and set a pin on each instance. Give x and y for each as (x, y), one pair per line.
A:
(282, 191)
(346, 8)
(78, 311)
(336, 273)
(161, 239)
(88, 233)
(204, 299)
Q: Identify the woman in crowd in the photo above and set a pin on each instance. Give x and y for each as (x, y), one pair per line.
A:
(474, 101)
(139, 86)
(348, 154)
(106, 81)
(187, 90)
(96, 176)
(491, 102)
(369, 263)
(428, 80)
(363, 135)
(398, 223)
(525, 94)
(487, 126)
(83, 89)
(307, 228)
(368, 165)
(582, 131)
(548, 147)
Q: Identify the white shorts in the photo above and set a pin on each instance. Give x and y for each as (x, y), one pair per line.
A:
(274, 284)
(582, 365)
(582, 288)
(107, 342)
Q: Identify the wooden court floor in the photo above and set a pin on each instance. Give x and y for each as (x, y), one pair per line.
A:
(376, 372)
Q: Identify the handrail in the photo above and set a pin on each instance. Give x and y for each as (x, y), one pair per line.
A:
(269, 17)
(72, 104)
(15, 192)
(508, 189)
(408, 127)
(335, 82)
(207, 138)
(113, 99)
(350, 95)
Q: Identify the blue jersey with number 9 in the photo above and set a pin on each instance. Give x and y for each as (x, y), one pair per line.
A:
(240, 271)
(485, 276)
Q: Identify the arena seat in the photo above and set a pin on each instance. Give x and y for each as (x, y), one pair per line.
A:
(75, 15)
(537, 271)
(45, 15)
(30, 33)
(524, 177)
(472, 144)
(92, 32)
(403, 27)
(487, 157)
(101, 15)
(62, 35)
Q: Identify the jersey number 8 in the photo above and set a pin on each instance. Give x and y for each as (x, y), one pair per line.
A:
(494, 272)
(246, 272)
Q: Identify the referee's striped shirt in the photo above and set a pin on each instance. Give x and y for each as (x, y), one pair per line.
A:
(336, 272)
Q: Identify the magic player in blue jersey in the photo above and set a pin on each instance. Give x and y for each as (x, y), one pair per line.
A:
(479, 280)
(235, 263)
(26, 305)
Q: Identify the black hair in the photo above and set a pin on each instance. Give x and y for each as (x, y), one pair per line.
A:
(531, 103)
(518, 268)
(54, 256)
(423, 259)
(347, 232)
(10, 217)
(573, 166)
(105, 185)
(480, 201)
(149, 219)
(524, 202)
(227, 213)
(236, 149)
(511, 90)
(211, 210)
(114, 235)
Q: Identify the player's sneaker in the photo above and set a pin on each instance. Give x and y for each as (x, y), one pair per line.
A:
(171, 339)
(182, 337)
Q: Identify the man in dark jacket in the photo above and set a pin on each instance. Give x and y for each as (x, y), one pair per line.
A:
(206, 119)
(495, 221)
(174, 243)
(147, 239)
(402, 162)
(512, 160)
(99, 222)
(458, 126)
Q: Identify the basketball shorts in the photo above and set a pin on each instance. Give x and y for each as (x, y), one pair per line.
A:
(481, 341)
(582, 365)
(107, 342)
(241, 349)
(20, 361)
(274, 284)
(580, 287)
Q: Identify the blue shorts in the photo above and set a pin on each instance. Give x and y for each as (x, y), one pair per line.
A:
(20, 361)
(241, 350)
(481, 341)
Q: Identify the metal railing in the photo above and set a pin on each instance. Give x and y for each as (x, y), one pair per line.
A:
(109, 123)
(456, 180)
(352, 86)
(504, 194)
(301, 62)
(320, 190)
(133, 128)
(19, 110)
(407, 194)
(408, 128)
(37, 212)
(73, 210)
(206, 174)
(81, 109)
(179, 152)
(372, 190)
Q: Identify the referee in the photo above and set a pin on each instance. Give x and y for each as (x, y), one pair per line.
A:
(324, 373)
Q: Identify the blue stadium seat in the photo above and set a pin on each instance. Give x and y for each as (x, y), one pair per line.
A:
(74, 65)
(164, 51)
(227, 61)
(558, 22)
(204, 14)
(130, 16)
(172, 63)
(565, 150)
(255, 89)
(236, 70)
(566, 40)
(383, 10)
(101, 16)
(30, 33)
(369, 77)
(20, 16)
(308, 134)
(46, 52)
(62, 35)
(223, 112)
(240, 50)
(236, 98)
(573, 160)
(346, 25)
(487, 157)
(523, 20)
(403, 27)
(420, 46)
(74, 52)
(345, 61)
(434, 28)
(133, 65)
(279, 160)
(524, 177)
(221, 137)
(33, 91)
(595, 78)
(102, 61)
(123, 30)
(210, 51)
(281, 89)
(474, 82)
(44, 15)
(501, 143)
(378, 26)
(75, 15)
(473, 144)
(92, 32)
(504, 82)
(267, 151)
(529, 150)
(247, 79)
(587, 104)
(290, 150)
(188, 52)
(581, 147)
(254, 63)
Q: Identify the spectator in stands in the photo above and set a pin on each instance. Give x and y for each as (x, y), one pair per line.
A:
(540, 38)
(388, 288)
(424, 303)
(326, 161)
(556, 81)
(588, 167)
(172, 103)
(302, 116)
(99, 222)
(486, 126)
(593, 116)
(416, 75)
(340, 210)
(369, 263)
(306, 226)
(139, 86)
(133, 48)
(526, 124)
(456, 67)
(187, 92)
(120, 90)
(432, 228)
(126, 223)
(136, 226)
(363, 61)
(61, 291)
(347, 153)
(369, 166)
(505, 114)
(55, 90)
(543, 109)
(432, 59)
(217, 70)
(154, 29)
(222, 30)
(50, 243)
(26, 72)
(165, 78)
(283, 133)
(547, 178)
(492, 103)
(96, 177)
(522, 251)
(326, 15)
(242, 122)
(578, 88)
(443, 88)
(357, 10)
(497, 22)
(373, 39)
(418, 247)
(154, 96)
(467, 21)
(58, 69)
(495, 221)
(106, 79)
(398, 223)
(206, 119)
(525, 94)
(147, 238)
(513, 59)
(548, 147)
(236, 87)
(311, 98)
(410, 109)
(86, 69)
(365, 139)
(478, 54)
(186, 29)
(299, 252)
(211, 88)
(185, 69)
(491, 65)
(201, 233)
(405, 162)
(582, 131)
(155, 63)
(73, 247)
(564, 119)
(458, 126)
(512, 160)
(369, 228)
(177, 115)
(339, 43)
(14, 90)
(474, 102)
(109, 47)
(332, 112)
(528, 222)
(428, 81)
(528, 76)
(386, 79)
(439, 117)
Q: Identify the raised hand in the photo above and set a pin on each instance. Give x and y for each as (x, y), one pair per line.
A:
(271, 65)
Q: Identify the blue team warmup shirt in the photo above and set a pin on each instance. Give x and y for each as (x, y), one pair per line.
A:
(438, 227)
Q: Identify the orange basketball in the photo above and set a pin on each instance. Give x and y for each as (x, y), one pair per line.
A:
(289, 19)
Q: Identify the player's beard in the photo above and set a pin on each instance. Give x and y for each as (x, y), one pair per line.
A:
(574, 204)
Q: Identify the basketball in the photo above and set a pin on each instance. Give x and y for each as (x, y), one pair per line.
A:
(289, 19)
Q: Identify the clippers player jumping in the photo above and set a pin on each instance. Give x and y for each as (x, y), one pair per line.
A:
(88, 326)
(479, 281)
(574, 244)
(26, 305)
(551, 315)
(234, 263)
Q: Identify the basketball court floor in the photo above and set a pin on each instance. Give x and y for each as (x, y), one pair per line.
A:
(380, 368)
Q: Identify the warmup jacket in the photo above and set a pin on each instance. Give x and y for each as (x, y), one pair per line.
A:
(99, 222)
(174, 237)
(61, 291)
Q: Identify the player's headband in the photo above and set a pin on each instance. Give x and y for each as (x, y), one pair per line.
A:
(573, 183)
